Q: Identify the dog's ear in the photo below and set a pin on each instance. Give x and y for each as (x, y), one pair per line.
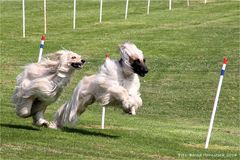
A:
(58, 55)
(123, 52)
(121, 47)
(55, 56)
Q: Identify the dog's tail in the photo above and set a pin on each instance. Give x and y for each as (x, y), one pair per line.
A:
(68, 113)
(81, 98)
(62, 115)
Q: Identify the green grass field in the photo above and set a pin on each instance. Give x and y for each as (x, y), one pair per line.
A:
(184, 50)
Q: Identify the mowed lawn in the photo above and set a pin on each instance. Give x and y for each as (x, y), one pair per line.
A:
(184, 50)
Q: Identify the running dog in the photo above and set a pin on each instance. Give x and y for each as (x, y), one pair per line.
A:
(40, 84)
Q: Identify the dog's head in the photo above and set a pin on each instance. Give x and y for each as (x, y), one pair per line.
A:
(69, 60)
(133, 58)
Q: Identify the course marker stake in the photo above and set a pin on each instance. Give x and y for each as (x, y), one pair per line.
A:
(215, 103)
(41, 48)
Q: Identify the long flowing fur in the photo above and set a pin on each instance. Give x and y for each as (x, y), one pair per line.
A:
(40, 84)
(116, 82)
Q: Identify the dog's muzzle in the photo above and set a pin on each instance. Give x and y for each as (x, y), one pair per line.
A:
(139, 68)
(78, 65)
(142, 71)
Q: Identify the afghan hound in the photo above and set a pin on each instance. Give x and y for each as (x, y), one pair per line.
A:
(40, 84)
(117, 81)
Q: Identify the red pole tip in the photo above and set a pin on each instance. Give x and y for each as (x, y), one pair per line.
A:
(43, 37)
(107, 55)
(225, 60)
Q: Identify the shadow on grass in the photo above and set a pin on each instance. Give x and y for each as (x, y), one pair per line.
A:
(19, 127)
(88, 133)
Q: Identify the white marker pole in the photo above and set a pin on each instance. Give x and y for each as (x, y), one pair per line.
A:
(41, 48)
(103, 117)
(74, 13)
(23, 16)
(100, 17)
(215, 103)
(45, 16)
(188, 3)
(170, 4)
(148, 7)
(126, 11)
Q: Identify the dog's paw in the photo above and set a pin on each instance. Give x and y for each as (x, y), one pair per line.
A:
(129, 107)
(41, 123)
(53, 125)
(130, 111)
(133, 111)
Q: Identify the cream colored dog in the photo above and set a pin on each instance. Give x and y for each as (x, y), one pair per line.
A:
(117, 81)
(40, 84)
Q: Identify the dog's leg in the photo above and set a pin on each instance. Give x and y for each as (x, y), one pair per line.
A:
(121, 94)
(69, 112)
(24, 108)
(65, 114)
(37, 111)
(86, 101)
(76, 108)
(137, 101)
(59, 117)
(38, 119)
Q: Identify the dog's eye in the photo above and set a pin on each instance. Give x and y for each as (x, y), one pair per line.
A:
(74, 57)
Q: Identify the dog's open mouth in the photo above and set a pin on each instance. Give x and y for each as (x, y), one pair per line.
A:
(78, 65)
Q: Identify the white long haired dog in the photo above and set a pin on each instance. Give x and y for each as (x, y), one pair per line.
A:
(117, 81)
(40, 84)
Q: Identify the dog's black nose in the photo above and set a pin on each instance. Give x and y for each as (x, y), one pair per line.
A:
(83, 61)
